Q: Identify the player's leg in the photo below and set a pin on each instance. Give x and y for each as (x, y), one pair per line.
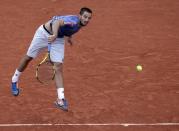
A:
(23, 64)
(60, 86)
(39, 41)
(57, 56)
(61, 102)
(59, 79)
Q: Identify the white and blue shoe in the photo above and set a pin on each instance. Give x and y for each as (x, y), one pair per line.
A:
(14, 89)
(62, 104)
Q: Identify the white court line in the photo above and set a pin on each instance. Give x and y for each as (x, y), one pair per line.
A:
(93, 124)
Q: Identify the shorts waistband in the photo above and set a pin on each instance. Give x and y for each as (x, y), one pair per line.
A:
(46, 30)
(51, 33)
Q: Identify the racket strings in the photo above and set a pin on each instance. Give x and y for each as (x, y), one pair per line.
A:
(45, 72)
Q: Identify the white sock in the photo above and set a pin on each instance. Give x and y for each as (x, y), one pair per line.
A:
(60, 92)
(16, 76)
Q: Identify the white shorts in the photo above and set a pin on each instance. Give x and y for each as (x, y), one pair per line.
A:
(40, 41)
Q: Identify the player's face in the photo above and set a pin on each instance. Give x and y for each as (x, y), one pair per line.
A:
(85, 18)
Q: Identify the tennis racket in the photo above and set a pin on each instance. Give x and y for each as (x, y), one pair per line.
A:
(45, 71)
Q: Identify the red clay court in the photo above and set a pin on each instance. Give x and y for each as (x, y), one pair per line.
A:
(101, 82)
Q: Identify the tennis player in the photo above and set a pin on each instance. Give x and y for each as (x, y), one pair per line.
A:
(54, 31)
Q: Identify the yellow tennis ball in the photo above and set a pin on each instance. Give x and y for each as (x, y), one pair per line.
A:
(139, 68)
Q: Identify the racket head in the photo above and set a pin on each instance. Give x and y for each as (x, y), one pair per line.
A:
(45, 72)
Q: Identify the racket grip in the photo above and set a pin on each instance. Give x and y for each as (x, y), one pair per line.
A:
(49, 47)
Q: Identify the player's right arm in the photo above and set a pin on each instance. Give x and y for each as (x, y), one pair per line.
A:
(55, 27)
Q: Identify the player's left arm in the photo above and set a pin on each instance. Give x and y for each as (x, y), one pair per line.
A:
(69, 40)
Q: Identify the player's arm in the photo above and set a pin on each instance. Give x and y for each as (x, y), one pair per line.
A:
(69, 40)
(55, 27)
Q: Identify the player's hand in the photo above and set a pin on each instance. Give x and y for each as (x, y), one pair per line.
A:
(51, 38)
(69, 40)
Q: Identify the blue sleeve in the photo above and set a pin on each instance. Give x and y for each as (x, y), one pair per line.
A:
(68, 20)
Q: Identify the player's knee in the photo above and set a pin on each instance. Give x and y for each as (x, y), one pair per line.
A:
(58, 67)
(27, 58)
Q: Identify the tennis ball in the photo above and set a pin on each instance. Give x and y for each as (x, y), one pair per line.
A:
(139, 68)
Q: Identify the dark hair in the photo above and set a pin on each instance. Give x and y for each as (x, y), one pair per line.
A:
(82, 10)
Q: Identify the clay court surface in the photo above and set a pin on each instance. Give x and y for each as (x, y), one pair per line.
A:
(101, 83)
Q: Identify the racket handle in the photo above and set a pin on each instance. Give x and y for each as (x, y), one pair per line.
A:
(49, 47)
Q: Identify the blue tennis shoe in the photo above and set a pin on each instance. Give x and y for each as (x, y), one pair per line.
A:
(14, 89)
(62, 104)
